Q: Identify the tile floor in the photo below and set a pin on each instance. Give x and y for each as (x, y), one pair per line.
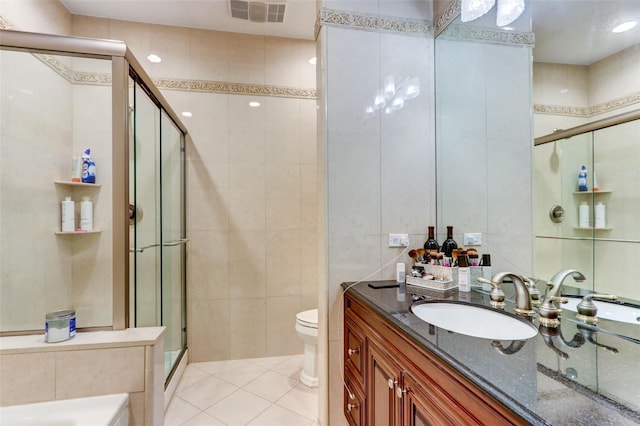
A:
(256, 392)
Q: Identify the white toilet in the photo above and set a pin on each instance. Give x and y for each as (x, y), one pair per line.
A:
(307, 329)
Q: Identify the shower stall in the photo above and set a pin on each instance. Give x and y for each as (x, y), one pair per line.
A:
(59, 96)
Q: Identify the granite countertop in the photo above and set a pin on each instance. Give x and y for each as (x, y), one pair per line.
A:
(574, 374)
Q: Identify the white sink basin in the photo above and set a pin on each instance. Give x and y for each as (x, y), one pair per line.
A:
(608, 311)
(474, 321)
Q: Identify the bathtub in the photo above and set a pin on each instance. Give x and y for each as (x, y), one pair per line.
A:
(107, 410)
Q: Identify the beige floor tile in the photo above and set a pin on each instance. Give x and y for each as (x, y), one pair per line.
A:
(239, 408)
(179, 411)
(203, 419)
(241, 375)
(301, 400)
(207, 392)
(268, 362)
(291, 366)
(271, 386)
(191, 376)
(213, 367)
(279, 416)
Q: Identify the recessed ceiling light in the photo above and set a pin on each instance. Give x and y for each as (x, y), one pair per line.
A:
(186, 114)
(313, 60)
(626, 26)
(254, 104)
(154, 58)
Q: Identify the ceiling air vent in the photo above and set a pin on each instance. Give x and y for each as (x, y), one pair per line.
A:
(255, 11)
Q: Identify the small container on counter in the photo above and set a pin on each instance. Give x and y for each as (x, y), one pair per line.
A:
(60, 326)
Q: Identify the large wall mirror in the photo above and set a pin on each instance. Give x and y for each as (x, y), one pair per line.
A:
(496, 92)
(586, 81)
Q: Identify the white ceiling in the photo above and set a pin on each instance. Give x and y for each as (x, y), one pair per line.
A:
(567, 31)
(299, 17)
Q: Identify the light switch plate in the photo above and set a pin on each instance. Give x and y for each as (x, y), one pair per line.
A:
(398, 240)
(473, 239)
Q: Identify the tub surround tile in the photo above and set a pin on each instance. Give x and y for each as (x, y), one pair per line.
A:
(88, 373)
(20, 372)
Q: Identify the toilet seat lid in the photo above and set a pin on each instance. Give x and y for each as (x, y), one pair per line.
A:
(308, 318)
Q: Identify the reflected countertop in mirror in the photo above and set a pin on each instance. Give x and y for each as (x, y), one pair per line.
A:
(562, 374)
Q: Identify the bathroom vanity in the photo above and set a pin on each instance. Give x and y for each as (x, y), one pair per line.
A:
(401, 370)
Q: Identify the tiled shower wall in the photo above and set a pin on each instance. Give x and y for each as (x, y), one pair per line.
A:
(609, 87)
(251, 179)
(251, 184)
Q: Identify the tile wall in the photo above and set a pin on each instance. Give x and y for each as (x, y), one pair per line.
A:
(251, 183)
(379, 168)
(46, 121)
(252, 180)
(608, 87)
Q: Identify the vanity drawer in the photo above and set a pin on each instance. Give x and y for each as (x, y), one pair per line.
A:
(354, 348)
(354, 402)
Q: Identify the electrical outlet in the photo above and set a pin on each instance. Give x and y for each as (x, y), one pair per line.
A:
(398, 240)
(473, 239)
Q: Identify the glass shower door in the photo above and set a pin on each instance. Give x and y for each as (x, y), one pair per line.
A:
(159, 231)
(173, 240)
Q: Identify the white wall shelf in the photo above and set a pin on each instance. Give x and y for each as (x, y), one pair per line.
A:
(69, 183)
(94, 231)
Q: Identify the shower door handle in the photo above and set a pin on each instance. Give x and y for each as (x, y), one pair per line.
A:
(175, 242)
(143, 248)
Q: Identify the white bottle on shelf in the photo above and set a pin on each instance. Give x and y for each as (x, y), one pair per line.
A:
(583, 215)
(68, 215)
(86, 214)
(600, 215)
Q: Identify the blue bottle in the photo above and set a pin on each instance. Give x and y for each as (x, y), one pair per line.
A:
(582, 179)
(88, 168)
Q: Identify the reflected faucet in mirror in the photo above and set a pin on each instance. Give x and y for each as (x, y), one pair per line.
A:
(513, 347)
(558, 278)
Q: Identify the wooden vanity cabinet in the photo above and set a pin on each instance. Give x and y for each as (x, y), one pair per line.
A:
(398, 382)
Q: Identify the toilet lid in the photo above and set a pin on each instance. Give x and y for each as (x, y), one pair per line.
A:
(308, 318)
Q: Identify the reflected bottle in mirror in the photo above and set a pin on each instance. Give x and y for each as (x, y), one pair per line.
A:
(449, 244)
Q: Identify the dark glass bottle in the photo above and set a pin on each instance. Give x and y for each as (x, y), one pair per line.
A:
(431, 244)
(449, 244)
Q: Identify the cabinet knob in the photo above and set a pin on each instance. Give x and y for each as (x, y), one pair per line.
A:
(351, 407)
(400, 392)
(392, 383)
(353, 351)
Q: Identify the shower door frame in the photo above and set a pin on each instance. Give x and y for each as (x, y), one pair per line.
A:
(122, 62)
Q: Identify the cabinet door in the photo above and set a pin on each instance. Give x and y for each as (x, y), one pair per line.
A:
(382, 380)
(422, 406)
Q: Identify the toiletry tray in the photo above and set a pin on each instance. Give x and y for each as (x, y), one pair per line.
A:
(431, 284)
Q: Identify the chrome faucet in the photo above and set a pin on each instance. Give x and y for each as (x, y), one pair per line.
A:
(558, 278)
(523, 298)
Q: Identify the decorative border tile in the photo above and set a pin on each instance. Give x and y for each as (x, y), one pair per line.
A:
(234, 88)
(369, 22)
(104, 79)
(470, 33)
(450, 14)
(587, 112)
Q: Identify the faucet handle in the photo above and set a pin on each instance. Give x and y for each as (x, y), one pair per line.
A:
(587, 310)
(496, 295)
(559, 299)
